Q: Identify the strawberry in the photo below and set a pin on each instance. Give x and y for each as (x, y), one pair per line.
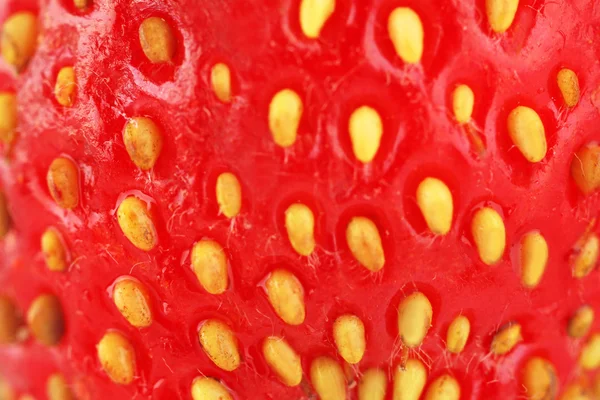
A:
(391, 199)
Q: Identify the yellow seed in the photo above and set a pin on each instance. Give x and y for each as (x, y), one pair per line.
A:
(63, 182)
(45, 319)
(283, 360)
(5, 221)
(58, 389)
(501, 14)
(19, 38)
(285, 112)
(349, 337)
(133, 302)
(527, 132)
(590, 353)
(364, 242)
(443, 388)
(6, 391)
(313, 16)
(585, 168)
(539, 379)
(117, 357)
(373, 385)
(286, 295)
(576, 391)
(463, 100)
(595, 387)
(65, 87)
(328, 379)
(406, 32)
(229, 194)
(209, 263)
(534, 257)
(435, 201)
(506, 338)
(458, 334)
(82, 4)
(54, 250)
(414, 319)
(300, 226)
(157, 40)
(220, 344)
(581, 322)
(587, 256)
(569, 86)
(205, 388)
(489, 235)
(365, 129)
(136, 223)
(409, 380)
(143, 142)
(8, 117)
(10, 321)
(220, 78)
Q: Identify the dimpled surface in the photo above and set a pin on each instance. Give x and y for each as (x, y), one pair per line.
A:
(353, 63)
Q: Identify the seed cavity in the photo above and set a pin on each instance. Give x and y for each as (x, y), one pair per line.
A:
(414, 319)
(458, 334)
(443, 388)
(63, 183)
(585, 168)
(435, 201)
(406, 32)
(10, 321)
(133, 302)
(463, 100)
(209, 263)
(585, 255)
(220, 79)
(220, 344)
(229, 194)
(373, 385)
(569, 86)
(300, 226)
(365, 128)
(506, 338)
(540, 380)
(137, 223)
(19, 39)
(45, 319)
(364, 242)
(489, 235)
(5, 221)
(117, 357)
(65, 87)
(283, 360)
(8, 117)
(527, 132)
(313, 16)
(328, 379)
(501, 14)
(580, 322)
(205, 388)
(157, 40)
(286, 295)
(143, 142)
(409, 380)
(57, 388)
(285, 112)
(590, 353)
(349, 337)
(534, 258)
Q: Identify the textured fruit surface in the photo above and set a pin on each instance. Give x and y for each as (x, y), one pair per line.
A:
(298, 150)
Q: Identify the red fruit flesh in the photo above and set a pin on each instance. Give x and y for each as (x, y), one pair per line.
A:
(352, 64)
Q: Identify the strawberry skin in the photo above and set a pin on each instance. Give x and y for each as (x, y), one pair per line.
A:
(101, 248)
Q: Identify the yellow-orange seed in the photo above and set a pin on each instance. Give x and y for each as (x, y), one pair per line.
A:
(63, 182)
(8, 117)
(569, 86)
(5, 221)
(209, 263)
(489, 235)
(10, 321)
(229, 194)
(539, 379)
(372, 385)
(133, 302)
(506, 338)
(328, 379)
(45, 319)
(300, 226)
(527, 132)
(435, 201)
(364, 242)
(19, 38)
(409, 380)
(414, 319)
(576, 391)
(157, 40)
(205, 388)
(463, 101)
(406, 32)
(285, 113)
(117, 357)
(65, 87)
(220, 344)
(580, 322)
(143, 142)
(501, 14)
(458, 334)
(286, 295)
(586, 256)
(283, 360)
(349, 337)
(365, 128)
(443, 388)
(585, 168)
(220, 79)
(58, 389)
(534, 257)
(6, 391)
(82, 4)
(53, 248)
(590, 353)
(313, 16)
(137, 223)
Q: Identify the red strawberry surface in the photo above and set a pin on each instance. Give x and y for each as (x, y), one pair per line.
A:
(540, 182)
